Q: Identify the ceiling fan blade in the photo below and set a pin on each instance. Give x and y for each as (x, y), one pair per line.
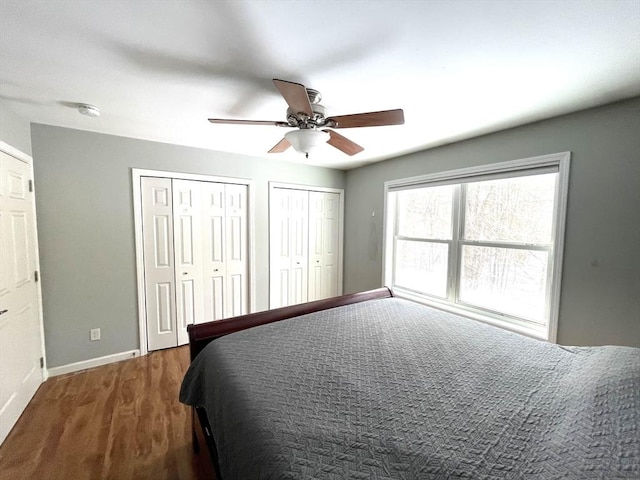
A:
(281, 146)
(370, 119)
(343, 143)
(295, 95)
(248, 122)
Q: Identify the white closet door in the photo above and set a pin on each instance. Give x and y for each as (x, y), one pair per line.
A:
(189, 274)
(226, 250)
(214, 267)
(289, 247)
(157, 225)
(324, 232)
(196, 255)
(237, 251)
(20, 334)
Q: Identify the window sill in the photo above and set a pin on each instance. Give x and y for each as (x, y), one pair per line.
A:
(539, 333)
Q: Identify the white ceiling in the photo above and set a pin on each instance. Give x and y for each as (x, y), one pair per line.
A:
(158, 69)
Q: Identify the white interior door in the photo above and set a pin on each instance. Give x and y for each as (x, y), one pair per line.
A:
(157, 226)
(324, 234)
(20, 329)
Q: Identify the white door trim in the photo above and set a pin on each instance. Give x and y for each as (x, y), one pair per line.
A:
(136, 174)
(14, 152)
(312, 188)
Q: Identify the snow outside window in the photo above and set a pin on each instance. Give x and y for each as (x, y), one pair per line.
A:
(484, 242)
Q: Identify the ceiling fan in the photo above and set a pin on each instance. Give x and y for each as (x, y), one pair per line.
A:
(312, 127)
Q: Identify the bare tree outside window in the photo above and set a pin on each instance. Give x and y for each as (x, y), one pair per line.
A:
(506, 241)
(424, 216)
(501, 250)
(512, 210)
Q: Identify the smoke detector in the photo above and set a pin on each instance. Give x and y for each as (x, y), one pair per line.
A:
(88, 110)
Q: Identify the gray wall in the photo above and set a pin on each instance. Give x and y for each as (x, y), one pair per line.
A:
(85, 220)
(600, 297)
(86, 229)
(14, 130)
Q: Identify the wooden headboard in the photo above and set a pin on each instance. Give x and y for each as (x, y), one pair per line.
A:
(200, 335)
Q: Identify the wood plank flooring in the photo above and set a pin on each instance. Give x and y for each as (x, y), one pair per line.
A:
(118, 421)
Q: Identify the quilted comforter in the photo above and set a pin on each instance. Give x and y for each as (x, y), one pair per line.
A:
(389, 389)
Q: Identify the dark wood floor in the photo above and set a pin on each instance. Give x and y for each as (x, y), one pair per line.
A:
(119, 421)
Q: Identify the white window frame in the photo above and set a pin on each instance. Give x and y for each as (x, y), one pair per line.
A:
(557, 162)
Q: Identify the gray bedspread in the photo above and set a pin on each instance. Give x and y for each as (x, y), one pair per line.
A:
(389, 389)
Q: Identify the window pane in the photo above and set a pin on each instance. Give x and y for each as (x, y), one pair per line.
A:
(510, 281)
(425, 212)
(515, 210)
(422, 266)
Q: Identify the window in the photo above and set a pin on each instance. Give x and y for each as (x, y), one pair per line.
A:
(484, 242)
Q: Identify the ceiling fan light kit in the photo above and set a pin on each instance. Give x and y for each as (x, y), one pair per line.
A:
(306, 140)
(307, 115)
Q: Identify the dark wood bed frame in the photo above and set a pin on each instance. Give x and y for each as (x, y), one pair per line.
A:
(203, 334)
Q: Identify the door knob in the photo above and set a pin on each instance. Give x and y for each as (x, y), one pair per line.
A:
(2, 312)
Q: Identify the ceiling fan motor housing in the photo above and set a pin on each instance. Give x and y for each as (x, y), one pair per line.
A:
(302, 120)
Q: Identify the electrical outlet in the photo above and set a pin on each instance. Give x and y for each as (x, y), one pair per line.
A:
(95, 334)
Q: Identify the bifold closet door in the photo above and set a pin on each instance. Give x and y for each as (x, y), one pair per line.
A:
(195, 255)
(225, 252)
(305, 229)
(188, 245)
(324, 232)
(157, 226)
(289, 246)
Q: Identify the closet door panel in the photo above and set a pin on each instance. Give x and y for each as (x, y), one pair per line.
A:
(214, 241)
(236, 259)
(299, 246)
(289, 246)
(188, 254)
(331, 244)
(226, 262)
(324, 236)
(238, 295)
(315, 282)
(279, 247)
(214, 299)
(282, 289)
(157, 228)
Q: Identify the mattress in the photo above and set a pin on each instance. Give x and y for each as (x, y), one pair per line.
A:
(390, 389)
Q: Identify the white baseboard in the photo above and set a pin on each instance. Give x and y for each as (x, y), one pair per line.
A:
(92, 362)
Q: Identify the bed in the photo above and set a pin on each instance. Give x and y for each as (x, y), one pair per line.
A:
(370, 386)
